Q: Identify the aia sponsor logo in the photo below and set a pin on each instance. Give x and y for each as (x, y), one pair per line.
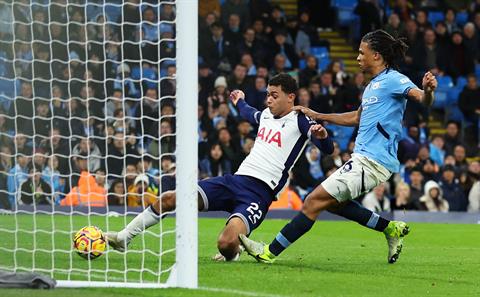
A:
(270, 136)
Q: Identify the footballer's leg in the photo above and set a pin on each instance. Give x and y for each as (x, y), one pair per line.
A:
(149, 217)
(317, 201)
(228, 243)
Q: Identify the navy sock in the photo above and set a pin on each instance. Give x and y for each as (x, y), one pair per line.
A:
(354, 211)
(290, 233)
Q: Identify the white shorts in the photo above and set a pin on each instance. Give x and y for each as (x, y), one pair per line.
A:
(357, 176)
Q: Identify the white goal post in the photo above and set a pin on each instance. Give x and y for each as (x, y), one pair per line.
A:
(65, 68)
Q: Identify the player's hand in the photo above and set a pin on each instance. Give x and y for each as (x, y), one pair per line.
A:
(429, 82)
(308, 112)
(319, 131)
(236, 95)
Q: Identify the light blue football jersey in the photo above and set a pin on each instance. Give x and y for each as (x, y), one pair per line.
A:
(383, 105)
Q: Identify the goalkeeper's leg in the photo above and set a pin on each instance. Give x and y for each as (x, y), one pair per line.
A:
(149, 217)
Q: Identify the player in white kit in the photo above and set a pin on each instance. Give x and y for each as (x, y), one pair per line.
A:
(282, 136)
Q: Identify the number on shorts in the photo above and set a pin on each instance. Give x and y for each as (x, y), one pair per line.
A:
(255, 212)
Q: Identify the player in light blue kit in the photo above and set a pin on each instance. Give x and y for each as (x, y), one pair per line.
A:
(375, 155)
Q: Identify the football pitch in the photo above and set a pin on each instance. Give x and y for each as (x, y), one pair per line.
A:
(333, 259)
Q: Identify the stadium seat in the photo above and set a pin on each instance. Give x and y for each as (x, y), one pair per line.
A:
(444, 81)
(455, 114)
(323, 63)
(453, 95)
(302, 64)
(345, 3)
(461, 82)
(341, 134)
(477, 70)
(319, 51)
(461, 18)
(435, 16)
(441, 95)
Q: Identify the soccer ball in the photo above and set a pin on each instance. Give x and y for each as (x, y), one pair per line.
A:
(89, 242)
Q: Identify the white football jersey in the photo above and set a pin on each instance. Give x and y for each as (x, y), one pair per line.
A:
(277, 147)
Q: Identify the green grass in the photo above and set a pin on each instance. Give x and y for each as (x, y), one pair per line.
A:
(333, 259)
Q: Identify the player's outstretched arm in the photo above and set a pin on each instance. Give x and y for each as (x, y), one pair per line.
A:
(429, 83)
(317, 134)
(247, 112)
(351, 118)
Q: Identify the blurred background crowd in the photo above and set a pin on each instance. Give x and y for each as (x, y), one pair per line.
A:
(87, 96)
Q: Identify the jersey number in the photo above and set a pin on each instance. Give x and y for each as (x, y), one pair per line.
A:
(255, 213)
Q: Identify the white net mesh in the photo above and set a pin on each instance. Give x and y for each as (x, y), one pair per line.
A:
(87, 133)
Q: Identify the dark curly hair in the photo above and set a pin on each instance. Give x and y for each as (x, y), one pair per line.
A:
(392, 49)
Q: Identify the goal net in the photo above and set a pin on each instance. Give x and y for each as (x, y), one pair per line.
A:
(97, 120)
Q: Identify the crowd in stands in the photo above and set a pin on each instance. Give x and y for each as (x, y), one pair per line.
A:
(86, 120)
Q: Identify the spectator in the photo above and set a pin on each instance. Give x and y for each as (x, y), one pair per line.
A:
(471, 41)
(307, 172)
(35, 190)
(442, 37)
(429, 55)
(376, 200)
(452, 137)
(247, 60)
(461, 61)
(450, 21)
(350, 95)
(87, 147)
(17, 175)
(452, 191)
(6, 164)
(287, 199)
(279, 62)
(217, 51)
(394, 27)
(230, 153)
(215, 164)
(469, 103)
(22, 111)
(409, 146)
(369, 16)
(402, 199)
(474, 193)
(309, 72)
(437, 151)
(116, 193)
(460, 155)
(239, 7)
(252, 45)
(432, 200)
(51, 175)
(416, 186)
(90, 190)
(336, 68)
(255, 97)
(244, 132)
(238, 79)
(422, 21)
(429, 167)
(143, 194)
(297, 37)
(287, 50)
(148, 114)
(233, 33)
(260, 9)
(325, 99)
(276, 21)
(303, 97)
(165, 137)
(403, 9)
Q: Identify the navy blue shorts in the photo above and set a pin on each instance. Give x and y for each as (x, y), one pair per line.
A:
(243, 196)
